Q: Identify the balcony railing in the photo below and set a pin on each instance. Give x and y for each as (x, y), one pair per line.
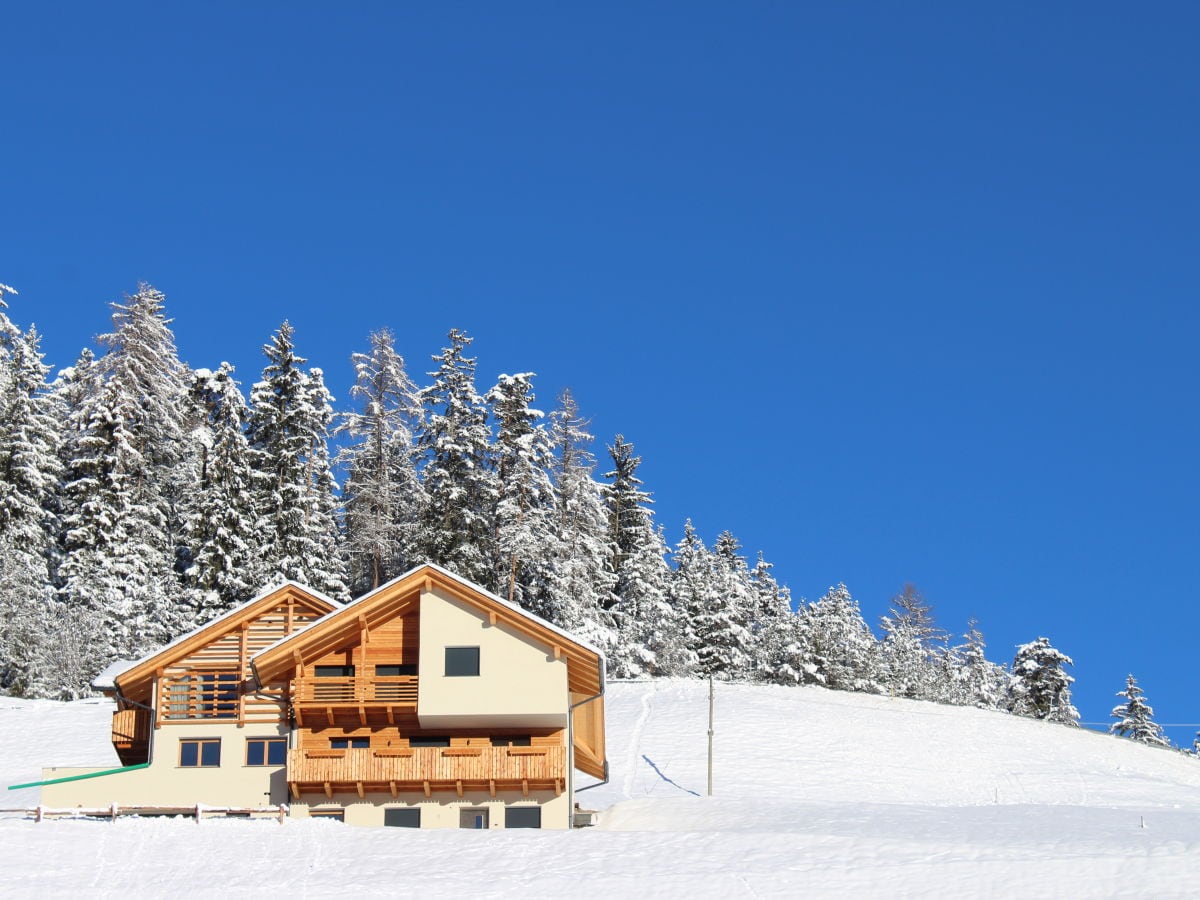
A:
(382, 689)
(131, 726)
(432, 764)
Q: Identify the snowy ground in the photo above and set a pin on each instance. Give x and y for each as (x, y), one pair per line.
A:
(816, 794)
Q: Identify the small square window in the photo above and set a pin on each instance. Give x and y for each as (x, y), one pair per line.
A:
(266, 751)
(200, 753)
(462, 661)
(426, 740)
(350, 743)
(391, 671)
(523, 817)
(512, 740)
(334, 671)
(402, 818)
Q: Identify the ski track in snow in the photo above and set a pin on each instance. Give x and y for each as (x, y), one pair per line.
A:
(818, 794)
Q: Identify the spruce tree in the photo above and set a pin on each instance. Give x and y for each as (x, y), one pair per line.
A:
(1040, 687)
(843, 650)
(382, 498)
(222, 525)
(293, 483)
(1135, 717)
(525, 513)
(458, 522)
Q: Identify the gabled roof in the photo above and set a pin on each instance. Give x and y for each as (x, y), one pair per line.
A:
(585, 664)
(132, 677)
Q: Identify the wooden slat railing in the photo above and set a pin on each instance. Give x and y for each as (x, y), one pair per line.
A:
(398, 689)
(131, 726)
(426, 764)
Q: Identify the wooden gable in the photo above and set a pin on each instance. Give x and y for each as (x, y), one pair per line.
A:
(228, 642)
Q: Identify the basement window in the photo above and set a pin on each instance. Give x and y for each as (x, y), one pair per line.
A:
(200, 754)
(402, 818)
(523, 817)
(462, 662)
(336, 815)
(266, 751)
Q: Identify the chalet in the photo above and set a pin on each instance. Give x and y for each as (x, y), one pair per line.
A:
(427, 703)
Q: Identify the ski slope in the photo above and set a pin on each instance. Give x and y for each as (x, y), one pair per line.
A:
(816, 793)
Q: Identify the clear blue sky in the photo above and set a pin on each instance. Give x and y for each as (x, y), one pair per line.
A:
(895, 292)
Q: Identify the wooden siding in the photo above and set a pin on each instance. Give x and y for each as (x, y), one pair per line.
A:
(131, 735)
(393, 689)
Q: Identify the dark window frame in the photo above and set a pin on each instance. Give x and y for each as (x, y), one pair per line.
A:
(400, 813)
(196, 753)
(333, 671)
(462, 662)
(265, 746)
(350, 743)
(428, 740)
(533, 814)
(400, 670)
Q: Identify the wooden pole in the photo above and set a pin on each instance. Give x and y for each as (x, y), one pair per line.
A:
(710, 733)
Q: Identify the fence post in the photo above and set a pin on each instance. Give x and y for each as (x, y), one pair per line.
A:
(37, 813)
(283, 810)
(197, 813)
(112, 811)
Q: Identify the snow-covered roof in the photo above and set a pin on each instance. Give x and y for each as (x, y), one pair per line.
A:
(107, 679)
(519, 610)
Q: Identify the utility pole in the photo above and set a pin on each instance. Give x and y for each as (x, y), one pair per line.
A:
(710, 732)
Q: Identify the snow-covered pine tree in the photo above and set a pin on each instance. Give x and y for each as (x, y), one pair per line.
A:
(525, 514)
(222, 524)
(771, 605)
(722, 627)
(1039, 686)
(784, 652)
(1135, 717)
(294, 488)
(581, 585)
(29, 477)
(977, 681)
(844, 652)
(382, 497)
(653, 635)
(912, 665)
(458, 522)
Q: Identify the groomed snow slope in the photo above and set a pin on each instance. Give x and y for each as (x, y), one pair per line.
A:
(816, 794)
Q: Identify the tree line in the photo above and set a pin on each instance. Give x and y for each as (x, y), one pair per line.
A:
(140, 497)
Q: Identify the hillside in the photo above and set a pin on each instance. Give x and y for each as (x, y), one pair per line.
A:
(816, 794)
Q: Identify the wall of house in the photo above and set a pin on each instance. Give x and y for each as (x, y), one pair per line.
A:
(166, 783)
(520, 683)
(440, 810)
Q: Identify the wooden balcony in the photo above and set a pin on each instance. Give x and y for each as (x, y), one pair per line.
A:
(367, 701)
(427, 769)
(131, 735)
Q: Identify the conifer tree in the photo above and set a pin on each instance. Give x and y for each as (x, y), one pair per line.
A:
(525, 513)
(294, 487)
(913, 664)
(383, 496)
(719, 605)
(458, 524)
(978, 681)
(581, 586)
(222, 524)
(1135, 717)
(843, 650)
(653, 636)
(1040, 687)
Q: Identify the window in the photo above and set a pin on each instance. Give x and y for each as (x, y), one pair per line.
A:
(389, 671)
(462, 661)
(203, 695)
(334, 672)
(402, 818)
(266, 751)
(336, 815)
(425, 740)
(350, 743)
(202, 753)
(523, 817)
(512, 740)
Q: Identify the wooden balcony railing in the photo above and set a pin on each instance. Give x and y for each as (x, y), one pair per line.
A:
(383, 689)
(427, 764)
(131, 726)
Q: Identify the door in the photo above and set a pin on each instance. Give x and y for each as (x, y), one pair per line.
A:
(473, 818)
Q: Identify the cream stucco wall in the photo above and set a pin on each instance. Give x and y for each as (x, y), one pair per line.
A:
(442, 810)
(520, 683)
(166, 783)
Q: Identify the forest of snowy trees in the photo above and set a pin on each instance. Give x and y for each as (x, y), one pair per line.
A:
(140, 497)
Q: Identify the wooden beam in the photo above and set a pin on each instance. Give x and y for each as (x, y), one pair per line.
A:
(558, 787)
(557, 652)
(391, 718)
(492, 618)
(525, 787)
(361, 792)
(328, 790)
(295, 791)
(427, 791)
(395, 793)
(329, 715)
(362, 714)
(492, 786)
(458, 787)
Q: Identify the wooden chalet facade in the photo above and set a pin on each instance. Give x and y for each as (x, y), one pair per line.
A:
(428, 702)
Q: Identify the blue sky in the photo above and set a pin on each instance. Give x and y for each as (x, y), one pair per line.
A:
(894, 292)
